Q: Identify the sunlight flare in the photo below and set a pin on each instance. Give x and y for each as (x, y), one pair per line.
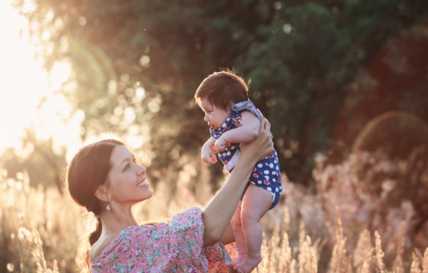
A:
(30, 97)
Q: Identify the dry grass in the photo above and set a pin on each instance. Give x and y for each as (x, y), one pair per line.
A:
(38, 228)
(43, 231)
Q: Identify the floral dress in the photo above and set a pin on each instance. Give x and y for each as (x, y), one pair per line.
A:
(164, 247)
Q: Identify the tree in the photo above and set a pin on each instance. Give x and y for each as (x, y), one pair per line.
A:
(137, 64)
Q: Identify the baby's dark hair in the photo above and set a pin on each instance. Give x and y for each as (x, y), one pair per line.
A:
(220, 88)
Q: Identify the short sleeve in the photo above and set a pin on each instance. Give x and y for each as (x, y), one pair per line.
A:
(189, 225)
(246, 106)
(218, 256)
(188, 232)
(173, 247)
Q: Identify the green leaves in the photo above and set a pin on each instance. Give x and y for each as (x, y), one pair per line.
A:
(301, 57)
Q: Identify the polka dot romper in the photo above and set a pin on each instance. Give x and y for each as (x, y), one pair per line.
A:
(266, 173)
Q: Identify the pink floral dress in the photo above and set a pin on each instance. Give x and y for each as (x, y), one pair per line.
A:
(173, 247)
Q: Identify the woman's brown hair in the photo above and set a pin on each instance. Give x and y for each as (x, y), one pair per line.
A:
(89, 169)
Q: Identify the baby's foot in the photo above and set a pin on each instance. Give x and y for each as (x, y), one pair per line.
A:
(248, 264)
(238, 260)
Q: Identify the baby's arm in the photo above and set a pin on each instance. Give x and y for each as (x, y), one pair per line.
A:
(208, 154)
(247, 132)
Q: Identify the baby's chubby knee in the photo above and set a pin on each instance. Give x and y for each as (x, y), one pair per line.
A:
(248, 219)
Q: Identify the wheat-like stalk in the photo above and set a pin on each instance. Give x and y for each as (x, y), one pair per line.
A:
(425, 261)
(302, 253)
(286, 224)
(339, 259)
(397, 266)
(379, 253)
(303, 256)
(365, 267)
(38, 254)
(293, 266)
(415, 267)
(274, 249)
(285, 258)
(313, 255)
(40, 227)
(362, 250)
(264, 264)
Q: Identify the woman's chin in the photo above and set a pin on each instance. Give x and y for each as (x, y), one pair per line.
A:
(149, 194)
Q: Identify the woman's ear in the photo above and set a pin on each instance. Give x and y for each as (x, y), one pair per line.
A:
(102, 193)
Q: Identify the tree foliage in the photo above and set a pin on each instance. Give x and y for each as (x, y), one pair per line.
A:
(137, 64)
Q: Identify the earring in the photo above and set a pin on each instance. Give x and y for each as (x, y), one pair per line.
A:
(108, 204)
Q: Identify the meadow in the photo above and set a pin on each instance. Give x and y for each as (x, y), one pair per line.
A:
(42, 230)
(327, 76)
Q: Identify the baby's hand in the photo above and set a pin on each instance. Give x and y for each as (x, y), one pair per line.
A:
(209, 155)
(221, 144)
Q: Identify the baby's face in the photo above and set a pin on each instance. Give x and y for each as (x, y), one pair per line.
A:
(215, 117)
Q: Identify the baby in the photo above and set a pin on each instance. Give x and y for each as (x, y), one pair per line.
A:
(233, 119)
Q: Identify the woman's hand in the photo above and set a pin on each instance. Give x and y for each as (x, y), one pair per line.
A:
(262, 146)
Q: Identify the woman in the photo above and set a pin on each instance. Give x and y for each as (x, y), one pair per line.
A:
(105, 178)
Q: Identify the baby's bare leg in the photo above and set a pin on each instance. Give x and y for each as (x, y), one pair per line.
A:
(255, 204)
(239, 236)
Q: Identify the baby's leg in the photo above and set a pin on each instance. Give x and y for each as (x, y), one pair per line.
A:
(255, 204)
(239, 236)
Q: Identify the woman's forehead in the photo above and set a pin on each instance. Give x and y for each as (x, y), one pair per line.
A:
(119, 154)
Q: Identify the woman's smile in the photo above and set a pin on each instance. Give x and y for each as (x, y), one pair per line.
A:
(143, 183)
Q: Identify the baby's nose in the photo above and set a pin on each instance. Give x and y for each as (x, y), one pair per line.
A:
(206, 118)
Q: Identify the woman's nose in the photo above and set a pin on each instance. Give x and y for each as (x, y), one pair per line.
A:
(141, 170)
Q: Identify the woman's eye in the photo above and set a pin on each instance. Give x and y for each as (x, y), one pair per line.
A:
(127, 167)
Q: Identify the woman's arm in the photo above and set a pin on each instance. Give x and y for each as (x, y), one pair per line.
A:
(218, 213)
(247, 132)
(228, 235)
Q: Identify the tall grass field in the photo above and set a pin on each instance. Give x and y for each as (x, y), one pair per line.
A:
(327, 229)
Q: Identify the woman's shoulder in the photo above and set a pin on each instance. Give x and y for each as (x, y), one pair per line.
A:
(100, 245)
(193, 214)
(107, 244)
(189, 221)
(176, 243)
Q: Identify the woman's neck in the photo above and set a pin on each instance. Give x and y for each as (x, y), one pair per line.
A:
(115, 220)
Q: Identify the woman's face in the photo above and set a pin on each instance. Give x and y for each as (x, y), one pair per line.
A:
(127, 179)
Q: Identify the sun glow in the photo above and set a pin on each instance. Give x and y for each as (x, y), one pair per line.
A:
(24, 85)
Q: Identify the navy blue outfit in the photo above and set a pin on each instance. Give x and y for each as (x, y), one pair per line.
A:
(266, 174)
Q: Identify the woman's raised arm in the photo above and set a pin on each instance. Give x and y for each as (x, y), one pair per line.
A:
(218, 213)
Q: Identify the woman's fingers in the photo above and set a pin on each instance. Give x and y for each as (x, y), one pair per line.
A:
(266, 124)
(265, 142)
(262, 146)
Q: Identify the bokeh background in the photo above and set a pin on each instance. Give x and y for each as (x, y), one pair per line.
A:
(344, 84)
